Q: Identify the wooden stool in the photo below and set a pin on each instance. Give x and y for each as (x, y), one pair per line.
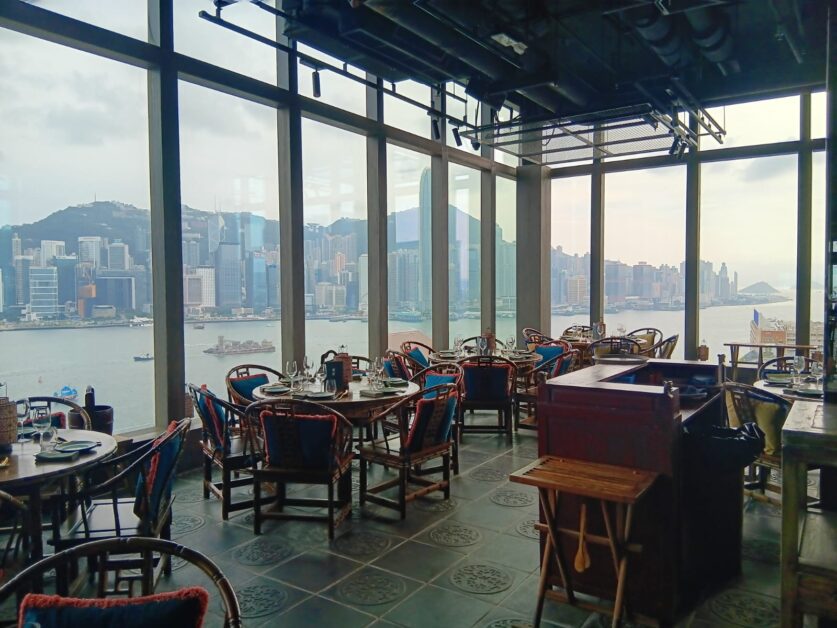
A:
(604, 483)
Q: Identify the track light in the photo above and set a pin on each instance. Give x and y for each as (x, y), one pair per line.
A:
(681, 150)
(475, 144)
(674, 145)
(456, 138)
(315, 83)
(437, 133)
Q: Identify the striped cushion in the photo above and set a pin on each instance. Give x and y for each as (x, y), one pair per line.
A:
(547, 352)
(155, 487)
(423, 431)
(214, 419)
(418, 356)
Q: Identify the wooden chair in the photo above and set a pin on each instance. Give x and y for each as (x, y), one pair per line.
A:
(419, 351)
(577, 331)
(302, 443)
(532, 336)
(102, 514)
(747, 404)
(242, 380)
(651, 335)
(614, 345)
(360, 363)
(16, 528)
(488, 384)
(398, 364)
(226, 446)
(57, 407)
(783, 365)
(442, 373)
(526, 397)
(141, 551)
(665, 348)
(422, 437)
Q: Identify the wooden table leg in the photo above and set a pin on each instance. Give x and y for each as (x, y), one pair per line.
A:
(623, 525)
(553, 498)
(793, 496)
(36, 532)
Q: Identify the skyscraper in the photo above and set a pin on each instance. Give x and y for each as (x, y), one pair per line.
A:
(255, 282)
(66, 267)
(22, 265)
(273, 300)
(425, 255)
(207, 275)
(17, 246)
(118, 258)
(363, 282)
(43, 291)
(227, 276)
(51, 249)
(2, 300)
(90, 250)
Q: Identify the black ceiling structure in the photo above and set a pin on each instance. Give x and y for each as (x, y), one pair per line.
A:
(589, 78)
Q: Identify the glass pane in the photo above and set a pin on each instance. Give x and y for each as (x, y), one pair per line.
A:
(75, 240)
(230, 232)
(336, 252)
(403, 115)
(818, 115)
(818, 248)
(129, 17)
(645, 248)
(748, 252)
(335, 89)
(760, 122)
(505, 114)
(464, 250)
(505, 234)
(409, 240)
(215, 44)
(570, 263)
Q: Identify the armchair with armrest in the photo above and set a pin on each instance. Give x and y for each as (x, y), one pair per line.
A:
(243, 379)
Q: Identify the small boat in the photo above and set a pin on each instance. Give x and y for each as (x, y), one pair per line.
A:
(67, 392)
(198, 326)
(146, 357)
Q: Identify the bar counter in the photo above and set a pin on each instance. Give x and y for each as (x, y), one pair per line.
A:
(690, 522)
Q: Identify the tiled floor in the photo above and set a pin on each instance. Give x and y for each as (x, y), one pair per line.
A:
(472, 561)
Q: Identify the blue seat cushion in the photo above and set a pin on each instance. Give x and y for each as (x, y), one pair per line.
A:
(547, 352)
(156, 484)
(245, 385)
(487, 383)
(185, 607)
(423, 431)
(437, 379)
(418, 356)
(214, 419)
(301, 442)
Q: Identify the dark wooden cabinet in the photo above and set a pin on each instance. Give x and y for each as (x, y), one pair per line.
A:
(690, 522)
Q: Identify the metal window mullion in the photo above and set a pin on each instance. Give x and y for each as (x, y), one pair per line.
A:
(488, 231)
(439, 245)
(803, 225)
(376, 192)
(166, 230)
(692, 271)
(597, 193)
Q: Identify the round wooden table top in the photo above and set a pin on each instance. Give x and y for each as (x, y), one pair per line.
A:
(521, 358)
(23, 469)
(353, 406)
(786, 391)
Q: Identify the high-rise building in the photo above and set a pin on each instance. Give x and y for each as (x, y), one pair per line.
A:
(252, 231)
(43, 291)
(118, 257)
(227, 276)
(329, 296)
(22, 265)
(363, 282)
(191, 250)
(273, 299)
(192, 290)
(643, 280)
(17, 246)
(2, 292)
(255, 282)
(577, 290)
(207, 275)
(50, 249)
(66, 266)
(90, 250)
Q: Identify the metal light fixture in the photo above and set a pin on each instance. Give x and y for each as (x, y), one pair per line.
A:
(456, 138)
(437, 133)
(475, 144)
(315, 84)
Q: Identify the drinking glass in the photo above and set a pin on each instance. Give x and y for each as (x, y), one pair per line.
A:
(620, 330)
(600, 330)
(307, 365)
(457, 344)
(511, 342)
(816, 372)
(319, 377)
(291, 371)
(794, 375)
(42, 422)
(331, 386)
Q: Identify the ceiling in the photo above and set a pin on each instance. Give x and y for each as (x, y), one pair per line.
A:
(562, 58)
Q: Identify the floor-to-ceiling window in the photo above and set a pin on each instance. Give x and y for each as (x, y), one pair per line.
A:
(505, 271)
(818, 248)
(747, 251)
(409, 259)
(75, 237)
(335, 240)
(645, 239)
(570, 253)
(757, 122)
(328, 86)
(403, 115)
(230, 222)
(464, 251)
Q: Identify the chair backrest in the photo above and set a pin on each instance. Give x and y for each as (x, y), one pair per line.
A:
(488, 378)
(435, 409)
(418, 351)
(651, 336)
(614, 345)
(550, 350)
(242, 380)
(783, 365)
(578, 331)
(530, 334)
(442, 373)
(300, 435)
(747, 404)
(216, 417)
(122, 546)
(665, 348)
(564, 363)
(57, 407)
(156, 475)
(398, 364)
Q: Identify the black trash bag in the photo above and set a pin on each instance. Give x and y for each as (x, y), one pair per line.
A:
(723, 449)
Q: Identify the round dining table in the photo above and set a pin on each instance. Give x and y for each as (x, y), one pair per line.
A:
(358, 409)
(24, 475)
(520, 358)
(787, 392)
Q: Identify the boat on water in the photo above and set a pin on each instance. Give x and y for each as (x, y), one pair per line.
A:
(198, 326)
(236, 347)
(67, 392)
(145, 357)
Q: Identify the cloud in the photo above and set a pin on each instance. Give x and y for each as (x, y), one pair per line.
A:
(766, 168)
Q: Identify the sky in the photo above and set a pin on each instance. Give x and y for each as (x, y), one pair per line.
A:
(73, 128)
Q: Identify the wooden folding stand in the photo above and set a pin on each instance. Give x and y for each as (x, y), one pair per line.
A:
(606, 484)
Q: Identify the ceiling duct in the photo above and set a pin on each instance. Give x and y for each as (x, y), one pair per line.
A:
(712, 34)
(663, 35)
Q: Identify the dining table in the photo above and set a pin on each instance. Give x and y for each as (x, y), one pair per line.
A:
(789, 392)
(25, 475)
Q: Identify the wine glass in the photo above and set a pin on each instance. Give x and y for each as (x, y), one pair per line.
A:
(511, 343)
(307, 365)
(816, 373)
(600, 329)
(319, 377)
(42, 421)
(620, 330)
(331, 386)
(291, 371)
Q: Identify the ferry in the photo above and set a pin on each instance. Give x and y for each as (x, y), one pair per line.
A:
(236, 347)
(145, 357)
(198, 326)
(67, 392)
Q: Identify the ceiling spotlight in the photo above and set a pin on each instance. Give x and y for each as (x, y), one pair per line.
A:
(674, 145)
(315, 83)
(681, 150)
(456, 138)
(437, 133)
(475, 144)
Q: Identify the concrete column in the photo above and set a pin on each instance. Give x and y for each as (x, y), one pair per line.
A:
(533, 246)
(376, 207)
(692, 278)
(803, 223)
